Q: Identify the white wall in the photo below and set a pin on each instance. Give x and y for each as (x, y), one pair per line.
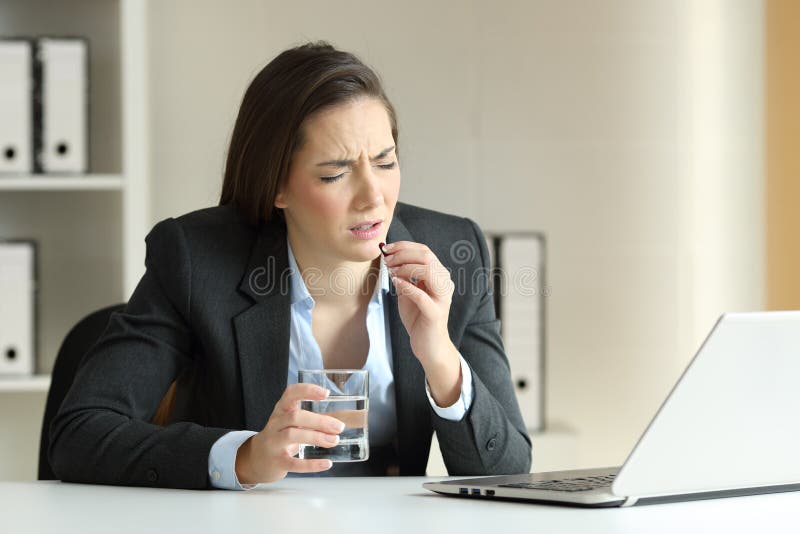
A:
(628, 131)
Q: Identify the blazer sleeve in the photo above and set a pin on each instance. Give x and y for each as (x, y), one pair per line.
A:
(491, 439)
(102, 432)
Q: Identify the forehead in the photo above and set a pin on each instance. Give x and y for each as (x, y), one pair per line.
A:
(348, 129)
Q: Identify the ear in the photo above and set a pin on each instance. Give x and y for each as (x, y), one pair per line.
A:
(280, 202)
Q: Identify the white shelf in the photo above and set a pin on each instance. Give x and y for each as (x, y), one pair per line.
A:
(24, 384)
(39, 182)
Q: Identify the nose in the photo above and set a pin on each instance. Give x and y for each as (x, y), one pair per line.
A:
(369, 192)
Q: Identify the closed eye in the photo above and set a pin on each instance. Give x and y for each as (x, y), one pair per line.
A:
(331, 179)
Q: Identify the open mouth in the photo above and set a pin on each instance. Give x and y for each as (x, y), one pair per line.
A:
(368, 230)
(366, 226)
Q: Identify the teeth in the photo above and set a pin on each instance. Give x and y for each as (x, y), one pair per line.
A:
(365, 227)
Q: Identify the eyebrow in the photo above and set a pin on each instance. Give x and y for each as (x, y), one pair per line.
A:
(348, 162)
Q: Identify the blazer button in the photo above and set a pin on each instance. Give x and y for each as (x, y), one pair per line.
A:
(152, 475)
(491, 444)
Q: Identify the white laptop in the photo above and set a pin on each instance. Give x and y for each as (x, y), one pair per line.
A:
(729, 427)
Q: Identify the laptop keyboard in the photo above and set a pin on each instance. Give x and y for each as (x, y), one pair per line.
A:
(566, 484)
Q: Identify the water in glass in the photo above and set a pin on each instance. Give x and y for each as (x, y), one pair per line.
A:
(353, 446)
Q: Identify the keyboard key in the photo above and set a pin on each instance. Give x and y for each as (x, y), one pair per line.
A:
(566, 484)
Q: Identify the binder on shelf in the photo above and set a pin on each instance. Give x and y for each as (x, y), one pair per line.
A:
(16, 106)
(519, 286)
(61, 108)
(17, 307)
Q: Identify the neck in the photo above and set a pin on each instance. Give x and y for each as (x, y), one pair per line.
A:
(336, 282)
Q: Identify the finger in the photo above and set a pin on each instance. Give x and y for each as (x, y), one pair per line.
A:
(416, 295)
(297, 392)
(396, 246)
(422, 255)
(296, 465)
(291, 435)
(307, 419)
(437, 279)
(351, 418)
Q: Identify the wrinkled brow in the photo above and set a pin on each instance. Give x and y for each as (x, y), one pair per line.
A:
(347, 162)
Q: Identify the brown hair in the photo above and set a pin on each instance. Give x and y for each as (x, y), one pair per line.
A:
(296, 84)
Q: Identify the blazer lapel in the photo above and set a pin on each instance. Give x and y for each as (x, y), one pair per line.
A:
(262, 331)
(413, 412)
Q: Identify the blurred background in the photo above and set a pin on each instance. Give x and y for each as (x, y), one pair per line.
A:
(653, 143)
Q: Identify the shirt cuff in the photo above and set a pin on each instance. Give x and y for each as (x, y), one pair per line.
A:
(222, 461)
(459, 408)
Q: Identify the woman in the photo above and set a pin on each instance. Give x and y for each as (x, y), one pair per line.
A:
(287, 273)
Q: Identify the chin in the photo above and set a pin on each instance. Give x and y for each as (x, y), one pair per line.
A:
(364, 251)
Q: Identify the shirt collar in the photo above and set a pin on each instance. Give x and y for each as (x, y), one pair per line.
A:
(299, 291)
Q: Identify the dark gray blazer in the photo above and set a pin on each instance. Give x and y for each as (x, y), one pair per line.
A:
(213, 311)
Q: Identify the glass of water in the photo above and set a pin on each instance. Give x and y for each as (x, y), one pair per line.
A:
(348, 402)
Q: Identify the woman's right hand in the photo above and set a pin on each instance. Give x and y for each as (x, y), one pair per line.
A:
(269, 455)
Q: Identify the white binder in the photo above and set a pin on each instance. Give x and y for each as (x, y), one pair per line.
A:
(17, 307)
(16, 111)
(518, 262)
(63, 85)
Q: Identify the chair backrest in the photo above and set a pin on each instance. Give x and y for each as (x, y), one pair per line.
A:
(77, 343)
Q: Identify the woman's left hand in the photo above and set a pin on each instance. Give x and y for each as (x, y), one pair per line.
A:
(424, 294)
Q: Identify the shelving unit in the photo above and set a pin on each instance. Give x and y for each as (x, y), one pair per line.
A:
(95, 182)
(25, 384)
(90, 228)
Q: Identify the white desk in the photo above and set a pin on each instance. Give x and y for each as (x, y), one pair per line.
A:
(351, 505)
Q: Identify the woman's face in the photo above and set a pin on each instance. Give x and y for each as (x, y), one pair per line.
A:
(345, 173)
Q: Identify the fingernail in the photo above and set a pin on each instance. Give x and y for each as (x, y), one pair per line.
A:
(328, 464)
(332, 439)
(388, 246)
(393, 270)
(339, 427)
(325, 392)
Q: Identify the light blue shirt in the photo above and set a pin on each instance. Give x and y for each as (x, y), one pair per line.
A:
(304, 353)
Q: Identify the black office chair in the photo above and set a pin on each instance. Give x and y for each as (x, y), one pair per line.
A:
(77, 343)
